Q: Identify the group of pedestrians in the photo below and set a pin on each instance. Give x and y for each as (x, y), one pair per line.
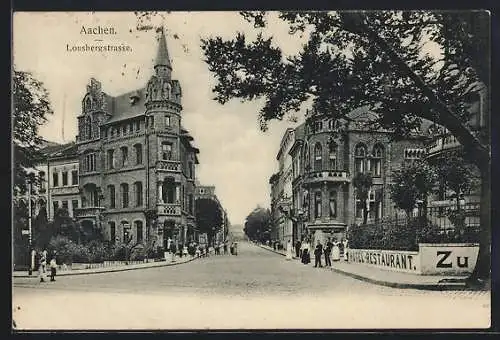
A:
(41, 262)
(331, 251)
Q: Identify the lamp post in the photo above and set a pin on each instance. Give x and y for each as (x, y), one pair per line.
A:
(30, 237)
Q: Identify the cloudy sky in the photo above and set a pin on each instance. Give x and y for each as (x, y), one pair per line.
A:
(235, 155)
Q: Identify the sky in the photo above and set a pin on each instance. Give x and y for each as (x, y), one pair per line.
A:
(235, 155)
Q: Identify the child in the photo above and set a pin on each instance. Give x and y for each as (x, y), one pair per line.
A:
(53, 266)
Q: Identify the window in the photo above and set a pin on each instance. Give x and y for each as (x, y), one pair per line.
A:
(112, 232)
(111, 159)
(138, 194)
(74, 177)
(137, 126)
(374, 205)
(333, 156)
(152, 122)
(359, 158)
(124, 130)
(317, 204)
(318, 126)
(88, 128)
(112, 132)
(166, 151)
(130, 128)
(65, 178)
(124, 151)
(89, 162)
(167, 121)
(331, 124)
(41, 181)
(74, 205)
(317, 157)
(190, 169)
(65, 205)
(412, 154)
(124, 195)
(333, 204)
(126, 232)
(138, 154)
(138, 231)
(55, 179)
(55, 204)
(112, 196)
(377, 160)
(168, 193)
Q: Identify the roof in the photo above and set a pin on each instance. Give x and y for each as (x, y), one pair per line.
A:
(162, 57)
(128, 105)
(58, 150)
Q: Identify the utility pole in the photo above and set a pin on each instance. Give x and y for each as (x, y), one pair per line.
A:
(30, 237)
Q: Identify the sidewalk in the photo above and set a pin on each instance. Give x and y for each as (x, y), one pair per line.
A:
(392, 278)
(110, 269)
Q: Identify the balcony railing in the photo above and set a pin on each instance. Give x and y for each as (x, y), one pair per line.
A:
(173, 166)
(328, 175)
(441, 144)
(169, 209)
(88, 211)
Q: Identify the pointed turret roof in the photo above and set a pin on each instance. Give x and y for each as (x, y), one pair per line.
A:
(162, 58)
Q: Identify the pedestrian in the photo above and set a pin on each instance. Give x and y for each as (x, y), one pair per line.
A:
(53, 268)
(328, 252)
(225, 247)
(41, 266)
(335, 252)
(306, 257)
(297, 249)
(236, 248)
(185, 250)
(173, 250)
(289, 254)
(232, 248)
(217, 248)
(318, 251)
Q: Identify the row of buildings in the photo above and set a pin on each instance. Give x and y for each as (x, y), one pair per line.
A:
(132, 169)
(312, 194)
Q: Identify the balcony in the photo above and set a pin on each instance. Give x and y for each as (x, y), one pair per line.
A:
(327, 176)
(172, 166)
(442, 144)
(88, 212)
(169, 209)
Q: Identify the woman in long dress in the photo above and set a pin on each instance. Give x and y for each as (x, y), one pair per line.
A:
(306, 257)
(335, 251)
(289, 255)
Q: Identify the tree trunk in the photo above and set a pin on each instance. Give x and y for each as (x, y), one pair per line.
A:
(482, 271)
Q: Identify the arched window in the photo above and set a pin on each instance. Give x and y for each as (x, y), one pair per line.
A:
(88, 128)
(138, 154)
(138, 194)
(127, 235)
(317, 204)
(332, 151)
(42, 184)
(318, 162)
(359, 158)
(138, 231)
(112, 232)
(87, 106)
(166, 151)
(378, 152)
(111, 159)
(124, 151)
(112, 196)
(124, 195)
(333, 204)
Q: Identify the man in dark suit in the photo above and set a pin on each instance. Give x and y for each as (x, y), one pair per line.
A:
(297, 248)
(318, 251)
(328, 252)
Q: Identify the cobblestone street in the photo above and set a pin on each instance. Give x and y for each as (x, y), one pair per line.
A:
(256, 289)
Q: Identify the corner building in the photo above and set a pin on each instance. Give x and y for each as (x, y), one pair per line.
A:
(326, 155)
(137, 162)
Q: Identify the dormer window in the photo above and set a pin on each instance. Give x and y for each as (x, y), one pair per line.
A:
(134, 99)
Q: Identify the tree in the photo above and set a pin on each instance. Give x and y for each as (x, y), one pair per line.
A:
(208, 217)
(363, 182)
(411, 184)
(257, 224)
(375, 59)
(31, 107)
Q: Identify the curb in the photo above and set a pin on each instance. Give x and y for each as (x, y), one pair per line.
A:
(72, 273)
(435, 287)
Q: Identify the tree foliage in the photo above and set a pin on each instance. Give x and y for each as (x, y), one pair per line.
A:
(31, 107)
(375, 59)
(412, 183)
(258, 224)
(208, 216)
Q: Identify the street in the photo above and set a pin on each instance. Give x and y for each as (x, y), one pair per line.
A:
(256, 289)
